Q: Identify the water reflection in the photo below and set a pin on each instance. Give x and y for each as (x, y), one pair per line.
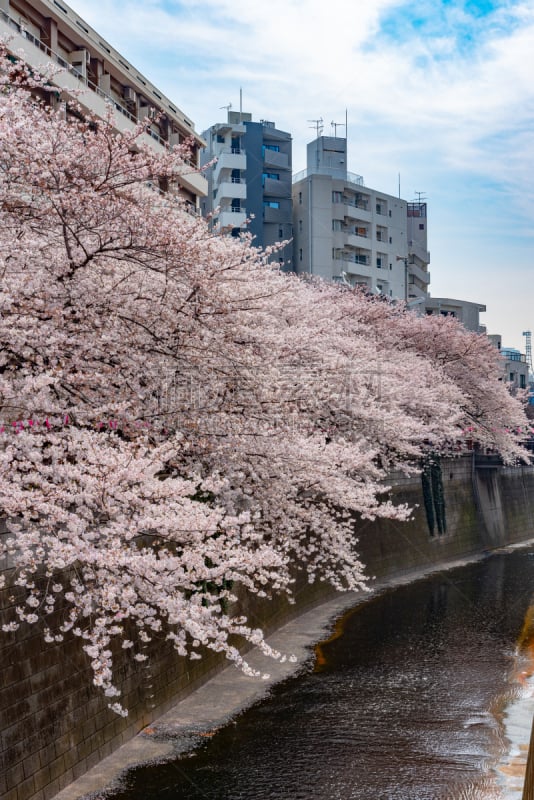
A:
(405, 700)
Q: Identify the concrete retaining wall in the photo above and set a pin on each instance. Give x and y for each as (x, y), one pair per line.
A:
(55, 725)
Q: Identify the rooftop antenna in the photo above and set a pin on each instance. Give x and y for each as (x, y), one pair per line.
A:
(528, 349)
(228, 107)
(420, 196)
(318, 125)
(337, 125)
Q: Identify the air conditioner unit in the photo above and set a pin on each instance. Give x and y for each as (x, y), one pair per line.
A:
(152, 112)
(129, 95)
(87, 57)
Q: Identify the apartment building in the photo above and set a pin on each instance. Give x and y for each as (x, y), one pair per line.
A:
(49, 31)
(515, 367)
(465, 311)
(249, 182)
(345, 231)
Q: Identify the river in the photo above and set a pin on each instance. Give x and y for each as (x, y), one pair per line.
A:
(422, 693)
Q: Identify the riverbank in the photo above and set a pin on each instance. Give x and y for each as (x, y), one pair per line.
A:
(56, 725)
(230, 692)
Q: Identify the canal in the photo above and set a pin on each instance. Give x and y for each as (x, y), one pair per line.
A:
(407, 700)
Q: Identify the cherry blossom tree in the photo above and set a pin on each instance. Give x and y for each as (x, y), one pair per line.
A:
(178, 417)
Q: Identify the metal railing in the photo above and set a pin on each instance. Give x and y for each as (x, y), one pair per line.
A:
(349, 177)
(40, 45)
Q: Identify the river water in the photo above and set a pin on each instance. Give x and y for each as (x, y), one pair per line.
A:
(422, 693)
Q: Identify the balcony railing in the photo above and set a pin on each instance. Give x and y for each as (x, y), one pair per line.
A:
(56, 58)
(351, 177)
(353, 259)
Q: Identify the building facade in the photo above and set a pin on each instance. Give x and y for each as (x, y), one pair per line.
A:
(465, 311)
(48, 31)
(249, 181)
(515, 367)
(345, 231)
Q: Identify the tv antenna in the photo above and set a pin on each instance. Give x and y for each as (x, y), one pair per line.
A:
(420, 196)
(337, 125)
(228, 107)
(318, 125)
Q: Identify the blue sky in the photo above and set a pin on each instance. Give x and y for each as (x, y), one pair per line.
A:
(441, 92)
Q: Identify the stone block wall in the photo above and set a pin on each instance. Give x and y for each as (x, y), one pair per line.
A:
(55, 725)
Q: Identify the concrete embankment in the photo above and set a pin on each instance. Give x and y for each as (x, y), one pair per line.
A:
(56, 727)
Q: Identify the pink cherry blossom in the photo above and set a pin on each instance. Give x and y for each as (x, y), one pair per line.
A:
(221, 425)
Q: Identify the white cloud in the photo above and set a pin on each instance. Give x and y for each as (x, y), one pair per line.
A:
(443, 97)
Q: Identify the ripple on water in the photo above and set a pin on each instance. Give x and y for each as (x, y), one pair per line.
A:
(398, 706)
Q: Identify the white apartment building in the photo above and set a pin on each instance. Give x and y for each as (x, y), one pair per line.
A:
(345, 231)
(465, 311)
(49, 31)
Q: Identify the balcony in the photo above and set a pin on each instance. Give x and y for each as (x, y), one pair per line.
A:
(276, 188)
(414, 291)
(420, 274)
(229, 189)
(193, 181)
(91, 97)
(229, 159)
(418, 251)
(272, 158)
(356, 213)
(354, 269)
(275, 215)
(231, 219)
(357, 240)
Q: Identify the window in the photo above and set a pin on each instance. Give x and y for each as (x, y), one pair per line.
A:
(273, 147)
(235, 205)
(522, 382)
(220, 139)
(337, 197)
(300, 226)
(379, 262)
(271, 204)
(280, 232)
(274, 176)
(337, 224)
(390, 213)
(421, 226)
(390, 240)
(378, 208)
(300, 254)
(300, 198)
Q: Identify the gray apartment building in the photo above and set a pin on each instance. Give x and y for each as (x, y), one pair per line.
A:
(249, 183)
